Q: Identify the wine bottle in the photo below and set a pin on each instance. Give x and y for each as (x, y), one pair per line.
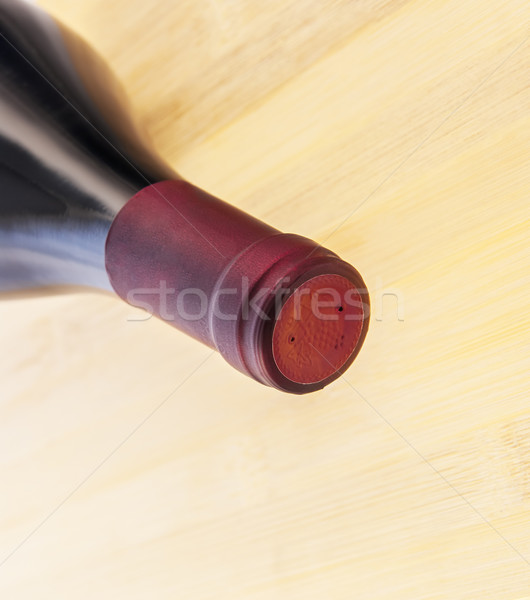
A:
(85, 200)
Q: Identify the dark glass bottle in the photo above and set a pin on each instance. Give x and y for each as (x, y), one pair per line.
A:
(85, 200)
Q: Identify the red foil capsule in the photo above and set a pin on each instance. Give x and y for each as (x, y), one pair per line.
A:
(279, 307)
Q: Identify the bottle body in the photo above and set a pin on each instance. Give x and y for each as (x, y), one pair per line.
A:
(70, 154)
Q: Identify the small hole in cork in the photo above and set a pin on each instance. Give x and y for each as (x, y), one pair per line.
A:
(340, 309)
(291, 339)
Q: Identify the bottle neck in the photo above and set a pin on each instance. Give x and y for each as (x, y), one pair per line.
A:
(222, 276)
(46, 252)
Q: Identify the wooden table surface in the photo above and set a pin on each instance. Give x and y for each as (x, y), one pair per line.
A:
(134, 464)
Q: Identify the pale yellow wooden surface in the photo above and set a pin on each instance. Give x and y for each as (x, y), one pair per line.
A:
(414, 485)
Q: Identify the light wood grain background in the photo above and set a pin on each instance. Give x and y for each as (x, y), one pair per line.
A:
(135, 465)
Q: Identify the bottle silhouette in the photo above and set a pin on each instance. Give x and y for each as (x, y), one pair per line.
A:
(85, 200)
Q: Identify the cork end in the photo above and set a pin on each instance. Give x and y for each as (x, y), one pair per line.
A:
(318, 329)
